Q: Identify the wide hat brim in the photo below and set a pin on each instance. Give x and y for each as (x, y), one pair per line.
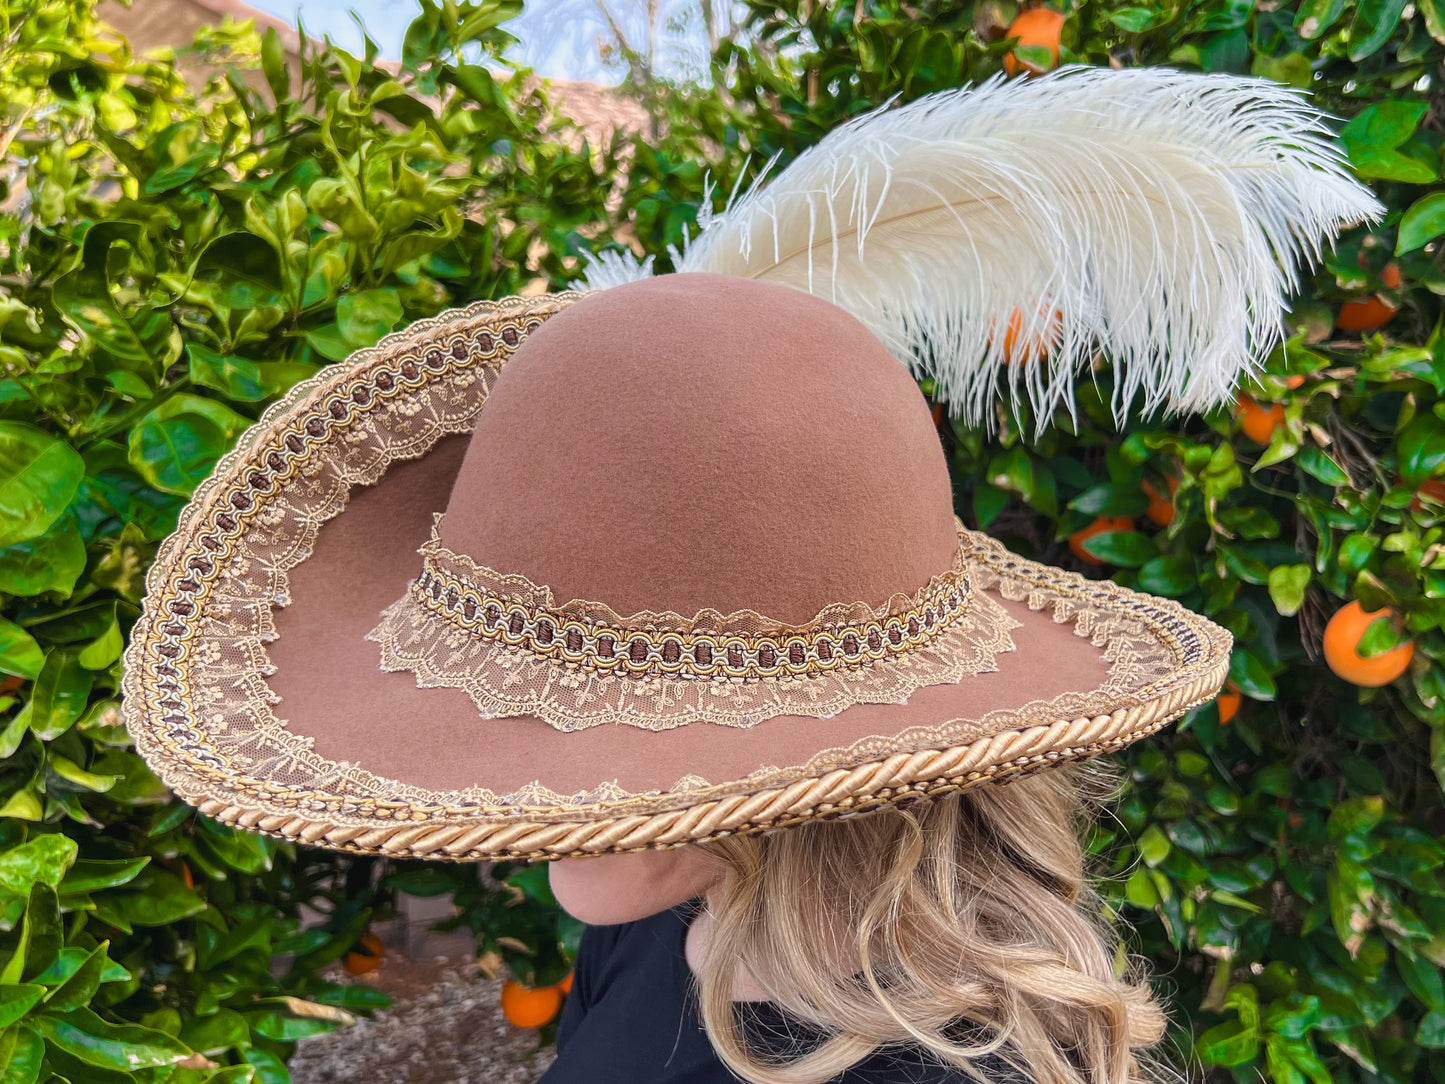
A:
(252, 688)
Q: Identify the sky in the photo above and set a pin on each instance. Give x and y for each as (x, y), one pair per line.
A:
(386, 21)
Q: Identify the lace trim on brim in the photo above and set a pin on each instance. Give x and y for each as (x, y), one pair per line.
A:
(849, 654)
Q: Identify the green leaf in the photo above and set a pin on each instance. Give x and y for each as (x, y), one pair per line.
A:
(1287, 584)
(40, 936)
(1374, 22)
(115, 112)
(244, 268)
(51, 562)
(19, 653)
(1111, 500)
(241, 379)
(68, 770)
(988, 501)
(145, 340)
(1434, 18)
(1372, 139)
(1351, 895)
(16, 1000)
(1231, 1043)
(1168, 576)
(38, 478)
(1359, 814)
(1292, 69)
(1423, 978)
(269, 1068)
(177, 444)
(104, 649)
(1133, 20)
(1431, 1032)
(1314, 17)
(1381, 635)
(22, 1051)
(1421, 448)
(81, 986)
(1321, 466)
(92, 874)
(1128, 549)
(273, 64)
(59, 695)
(123, 1047)
(1422, 223)
(328, 342)
(1154, 845)
(154, 898)
(1251, 675)
(219, 1031)
(366, 315)
(44, 859)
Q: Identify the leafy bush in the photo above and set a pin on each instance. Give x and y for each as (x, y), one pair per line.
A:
(1283, 866)
(169, 263)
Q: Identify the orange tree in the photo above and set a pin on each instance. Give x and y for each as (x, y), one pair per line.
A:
(1282, 861)
(170, 262)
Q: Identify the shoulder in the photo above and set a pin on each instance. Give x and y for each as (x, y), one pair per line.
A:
(607, 953)
(660, 932)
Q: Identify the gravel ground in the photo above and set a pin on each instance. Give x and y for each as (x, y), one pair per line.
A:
(446, 1027)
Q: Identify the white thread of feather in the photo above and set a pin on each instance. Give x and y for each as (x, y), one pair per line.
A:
(1153, 215)
(612, 267)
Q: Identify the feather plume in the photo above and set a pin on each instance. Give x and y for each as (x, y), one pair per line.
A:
(612, 267)
(1002, 236)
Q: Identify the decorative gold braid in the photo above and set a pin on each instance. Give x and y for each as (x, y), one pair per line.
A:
(197, 703)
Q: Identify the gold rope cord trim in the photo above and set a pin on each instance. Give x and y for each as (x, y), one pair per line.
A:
(197, 703)
(505, 642)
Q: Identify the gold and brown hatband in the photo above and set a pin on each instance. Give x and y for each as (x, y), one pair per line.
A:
(737, 647)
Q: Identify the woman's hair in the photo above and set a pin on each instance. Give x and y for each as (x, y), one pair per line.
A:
(964, 925)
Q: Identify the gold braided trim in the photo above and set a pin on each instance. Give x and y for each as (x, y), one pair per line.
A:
(895, 780)
(197, 704)
(505, 642)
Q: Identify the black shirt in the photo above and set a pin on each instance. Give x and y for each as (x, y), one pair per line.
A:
(633, 1018)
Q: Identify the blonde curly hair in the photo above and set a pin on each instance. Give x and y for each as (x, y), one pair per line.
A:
(964, 925)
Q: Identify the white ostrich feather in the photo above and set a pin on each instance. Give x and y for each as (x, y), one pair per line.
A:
(1158, 217)
(612, 267)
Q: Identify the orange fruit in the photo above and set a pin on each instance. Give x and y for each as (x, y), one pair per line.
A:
(1023, 347)
(1365, 315)
(1037, 28)
(1432, 489)
(939, 413)
(9, 684)
(186, 878)
(1228, 703)
(528, 1008)
(1342, 641)
(366, 956)
(1102, 525)
(566, 984)
(1161, 508)
(1294, 381)
(1258, 422)
(1391, 276)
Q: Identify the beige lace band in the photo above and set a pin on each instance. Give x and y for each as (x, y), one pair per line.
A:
(516, 651)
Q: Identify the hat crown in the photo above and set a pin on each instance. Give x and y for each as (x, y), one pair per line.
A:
(701, 441)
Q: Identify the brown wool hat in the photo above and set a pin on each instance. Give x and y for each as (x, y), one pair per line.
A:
(676, 558)
(698, 573)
